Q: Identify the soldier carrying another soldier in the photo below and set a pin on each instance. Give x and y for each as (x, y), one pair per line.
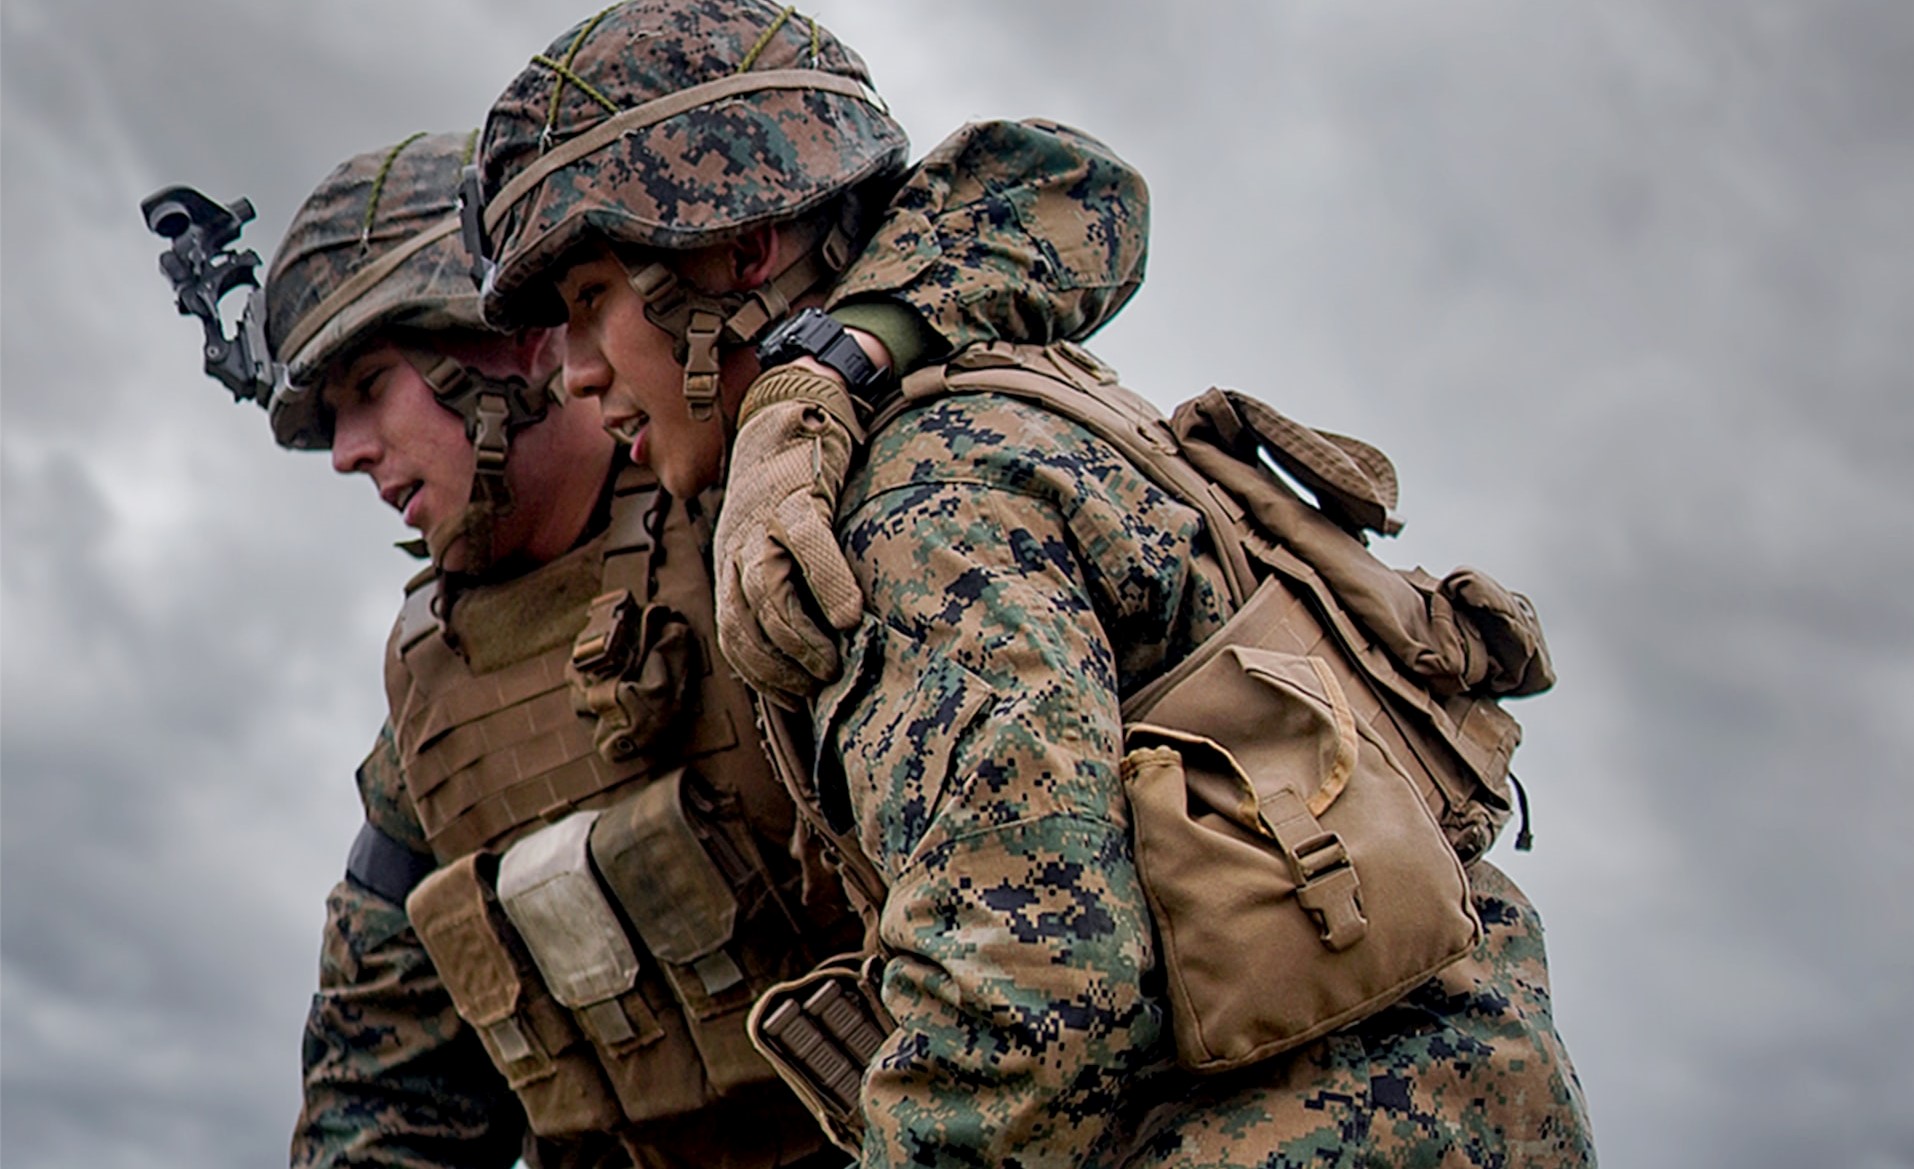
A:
(1165, 802)
(576, 872)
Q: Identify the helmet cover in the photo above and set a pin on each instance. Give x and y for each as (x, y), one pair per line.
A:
(375, 245)
(697, 176)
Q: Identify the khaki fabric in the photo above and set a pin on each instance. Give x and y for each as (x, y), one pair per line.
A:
(1026, 577)
(1402, 637)
(1298, 878)
(496, 988)
(539, 742)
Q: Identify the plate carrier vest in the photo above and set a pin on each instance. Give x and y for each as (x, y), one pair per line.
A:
(616, 879)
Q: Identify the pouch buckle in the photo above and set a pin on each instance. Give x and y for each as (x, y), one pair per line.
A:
(1330, 891)
(605, 646)
(632, 668)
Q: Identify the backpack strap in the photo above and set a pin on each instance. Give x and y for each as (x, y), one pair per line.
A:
(788, 741)
(1070, 381)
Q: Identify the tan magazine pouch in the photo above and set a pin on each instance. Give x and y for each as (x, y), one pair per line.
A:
(553, 899)
(660, 868)
(820, 1032)
(493, 983)
(1298, 879)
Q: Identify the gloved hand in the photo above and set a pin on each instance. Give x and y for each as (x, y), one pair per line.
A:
(784, 587)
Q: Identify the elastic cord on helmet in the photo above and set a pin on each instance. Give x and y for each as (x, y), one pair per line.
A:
(764, 39)
(658, 110)
(362, 282)
(564, 71)
(378, 189)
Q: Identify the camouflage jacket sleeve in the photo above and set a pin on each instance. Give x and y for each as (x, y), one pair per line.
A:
(391, 1075)
(1019, 231)
(1015, 569)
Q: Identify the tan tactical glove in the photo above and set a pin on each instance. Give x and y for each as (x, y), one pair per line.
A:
(783, 583)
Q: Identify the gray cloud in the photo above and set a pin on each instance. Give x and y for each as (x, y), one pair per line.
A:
(1624, 289)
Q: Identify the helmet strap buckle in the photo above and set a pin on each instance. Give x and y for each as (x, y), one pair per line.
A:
(701, 363)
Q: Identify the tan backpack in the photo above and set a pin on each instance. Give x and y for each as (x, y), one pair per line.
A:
(1308, 786)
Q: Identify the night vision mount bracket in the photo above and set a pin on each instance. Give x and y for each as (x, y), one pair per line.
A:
(203, 267)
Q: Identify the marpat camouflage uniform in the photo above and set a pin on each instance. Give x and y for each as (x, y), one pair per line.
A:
(392, 1076)
(1020, 579)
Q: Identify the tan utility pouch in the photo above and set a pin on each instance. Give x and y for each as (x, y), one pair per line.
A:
(659, 867)
(549, 892)
(1298, 880)
(633, 668)
(493, 983)
(821, 1031)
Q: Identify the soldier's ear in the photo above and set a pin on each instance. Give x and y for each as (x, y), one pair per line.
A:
(753, 257)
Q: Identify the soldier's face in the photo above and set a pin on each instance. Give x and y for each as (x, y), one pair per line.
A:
(388, 426)
(615, 354)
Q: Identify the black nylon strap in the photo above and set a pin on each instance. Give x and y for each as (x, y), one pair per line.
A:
(379, 864)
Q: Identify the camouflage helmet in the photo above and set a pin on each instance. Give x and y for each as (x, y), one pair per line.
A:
(670, 124)
(375, 245)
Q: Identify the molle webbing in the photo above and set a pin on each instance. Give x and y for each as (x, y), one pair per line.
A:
(495, 742)
(725, 721)
(489, 752)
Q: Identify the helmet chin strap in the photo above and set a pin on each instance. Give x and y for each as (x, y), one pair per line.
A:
(703, 324)
(493, 409)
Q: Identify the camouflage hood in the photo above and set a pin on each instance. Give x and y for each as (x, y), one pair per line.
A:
(670, 124)
(375, 245)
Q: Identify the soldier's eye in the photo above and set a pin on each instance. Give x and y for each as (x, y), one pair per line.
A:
(369, 383)
(585, 299)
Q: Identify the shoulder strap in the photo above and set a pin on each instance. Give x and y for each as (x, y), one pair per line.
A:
(1070, 381)
(787, 740)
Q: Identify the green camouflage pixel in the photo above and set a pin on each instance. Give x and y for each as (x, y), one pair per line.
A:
(1019, 577)
(698, 178)
(392, 1076)
(382, 791)
(1028, 229)
(406, 189)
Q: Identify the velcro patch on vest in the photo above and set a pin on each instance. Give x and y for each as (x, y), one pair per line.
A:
(508, 623)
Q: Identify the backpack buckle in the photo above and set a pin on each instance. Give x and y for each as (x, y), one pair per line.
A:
(1330, 891)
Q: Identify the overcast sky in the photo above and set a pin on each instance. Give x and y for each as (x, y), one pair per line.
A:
(1626, 288)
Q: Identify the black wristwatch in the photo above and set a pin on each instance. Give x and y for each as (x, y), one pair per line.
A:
(810, 333)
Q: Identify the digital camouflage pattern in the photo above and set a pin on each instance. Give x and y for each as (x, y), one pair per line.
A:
(701, 177)
(392, 1077)
(382, 1040)
(369, 206)
(1028, 229)
(1020, 578)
